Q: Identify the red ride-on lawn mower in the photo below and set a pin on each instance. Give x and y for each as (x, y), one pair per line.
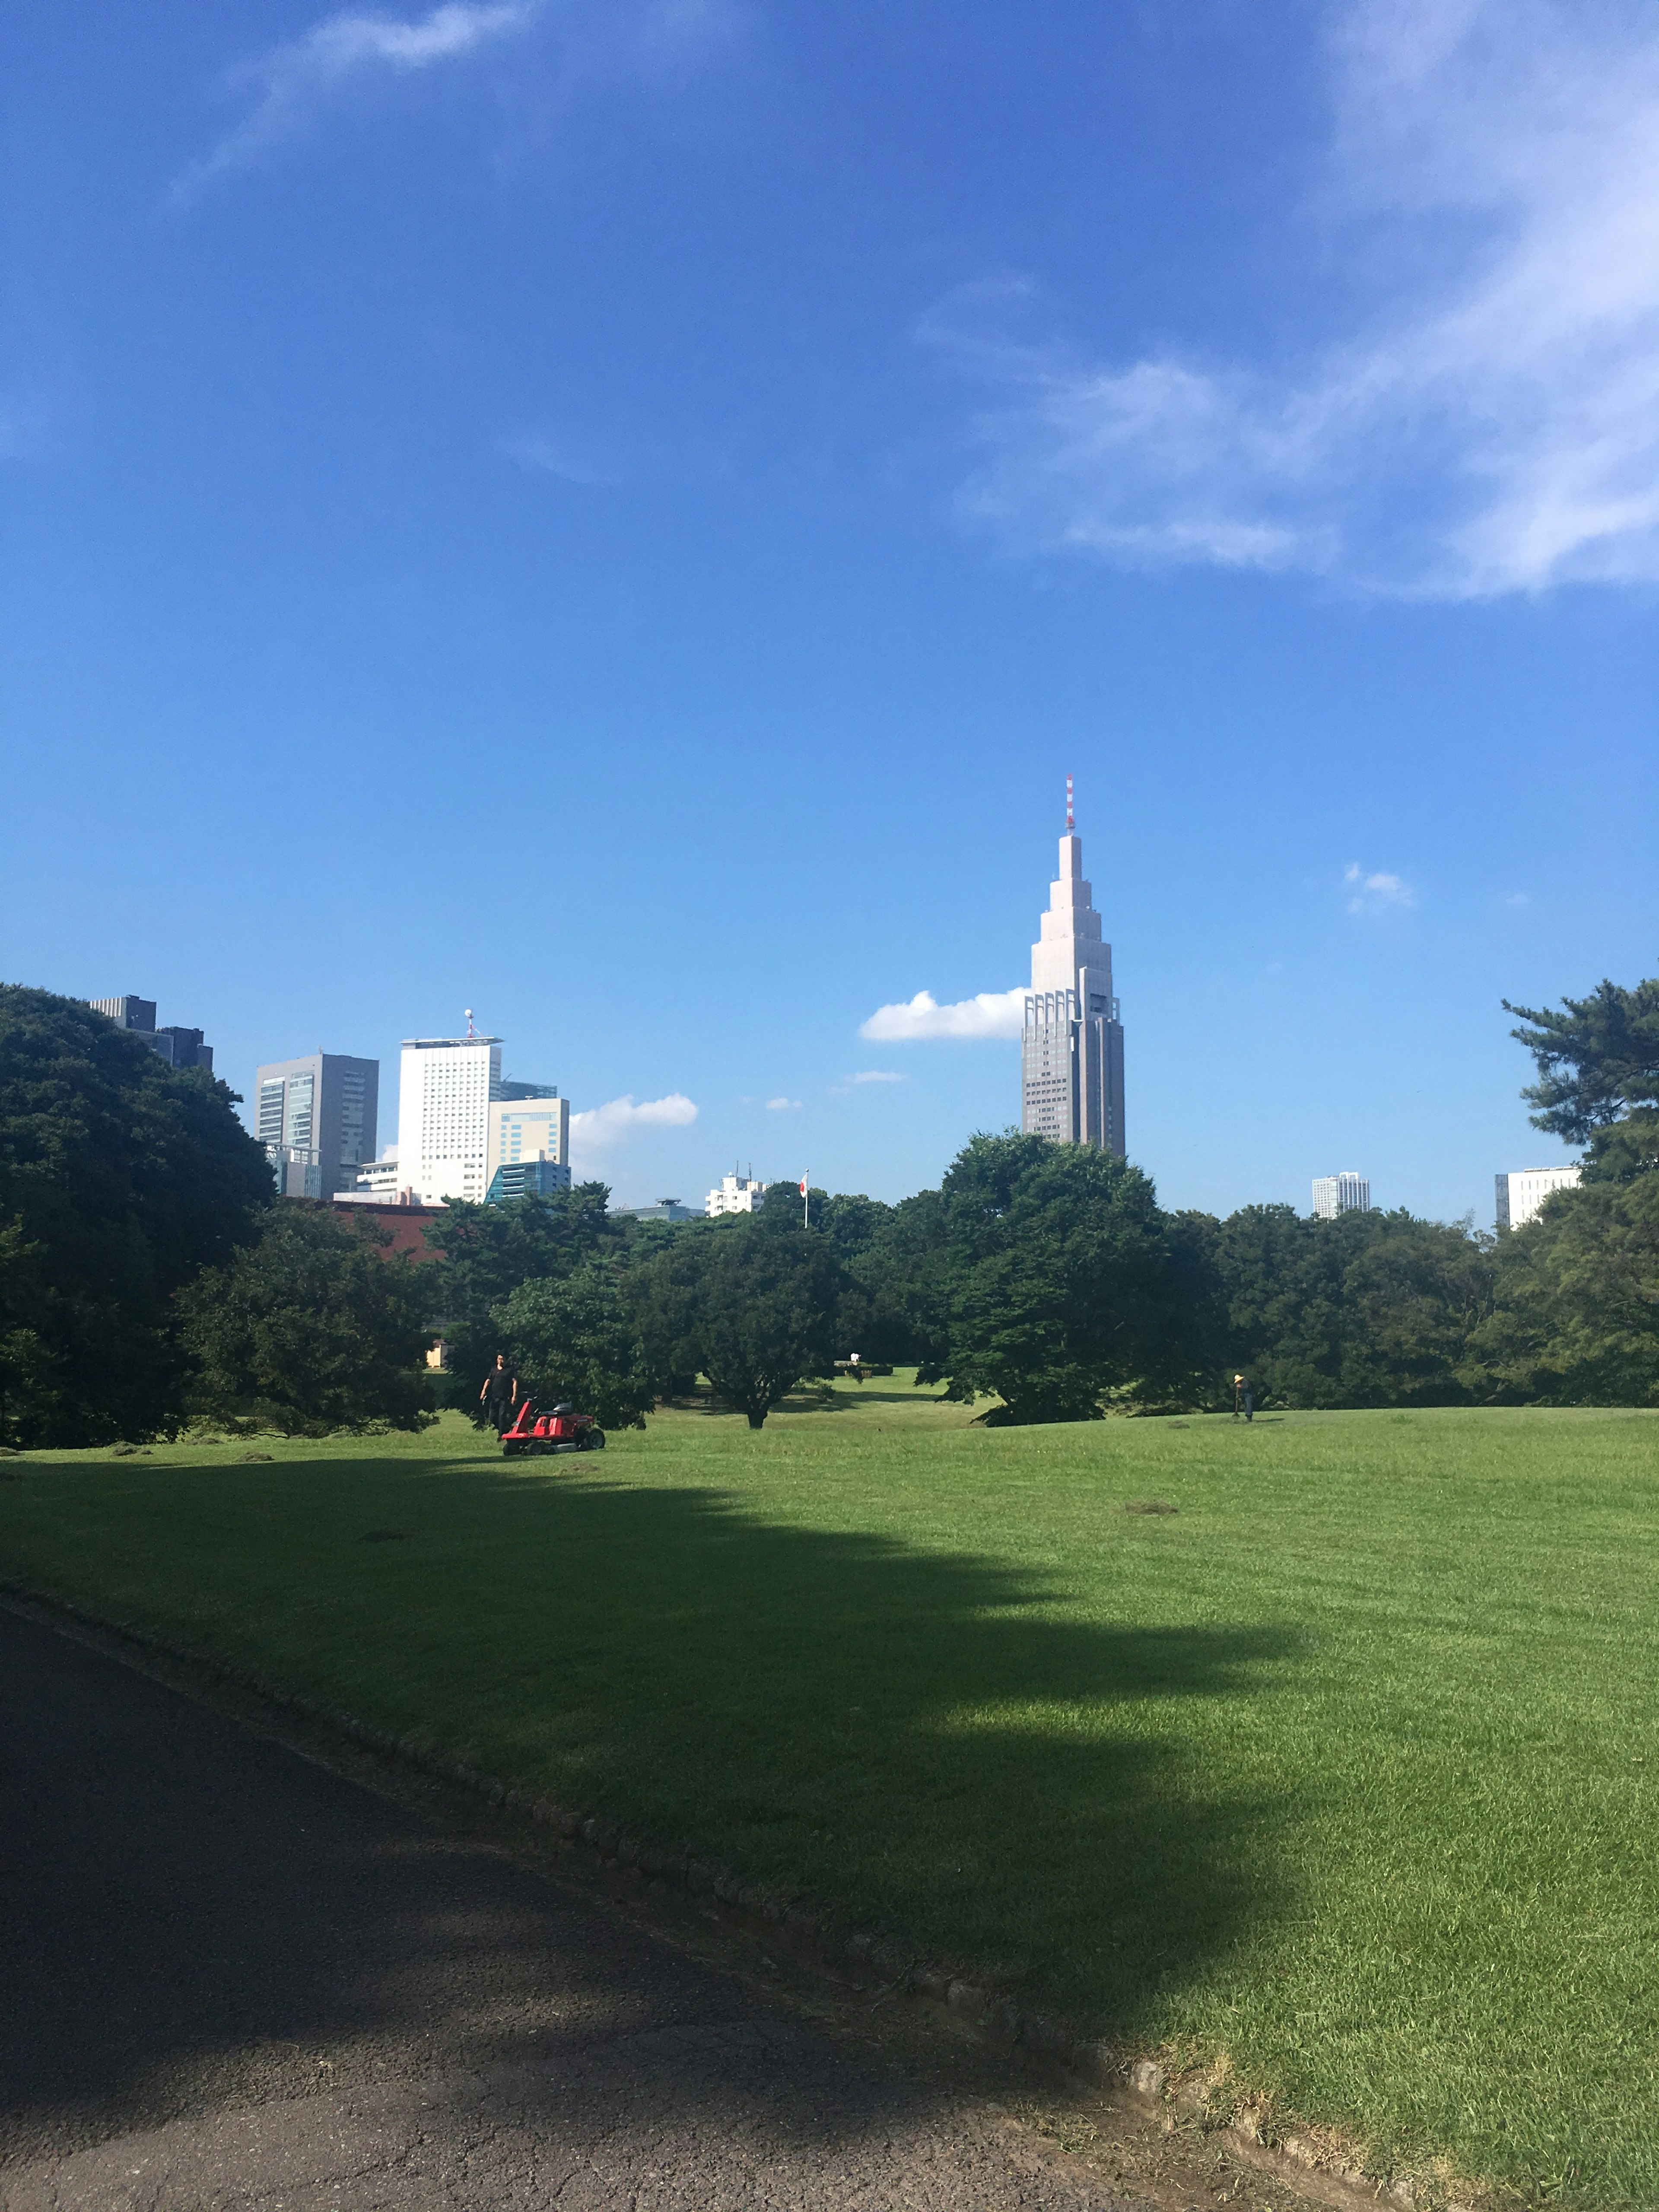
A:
(563, 1429)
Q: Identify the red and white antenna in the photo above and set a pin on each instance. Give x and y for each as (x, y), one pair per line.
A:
(471, 1032)
(1070, 825)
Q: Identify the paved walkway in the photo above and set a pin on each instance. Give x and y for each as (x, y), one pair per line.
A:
(230, 1978)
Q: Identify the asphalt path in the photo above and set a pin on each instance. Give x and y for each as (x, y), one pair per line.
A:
(232, 1977)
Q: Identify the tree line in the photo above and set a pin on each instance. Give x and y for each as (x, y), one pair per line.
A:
(148, 1277)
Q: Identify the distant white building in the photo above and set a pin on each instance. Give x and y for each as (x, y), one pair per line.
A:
(446, 1088)
(1524, 1190)
(380, 1184)
(1341, 1193)
(737, 1195)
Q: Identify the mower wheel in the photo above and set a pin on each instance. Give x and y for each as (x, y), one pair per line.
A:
(595, 1440)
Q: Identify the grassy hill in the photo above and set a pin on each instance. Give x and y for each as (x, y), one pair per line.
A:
(1345, 1773)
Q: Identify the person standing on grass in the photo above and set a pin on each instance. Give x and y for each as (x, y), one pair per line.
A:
(1243, 1398)
(500, 1392)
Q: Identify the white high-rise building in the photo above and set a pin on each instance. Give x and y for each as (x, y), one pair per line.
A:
(1524, 1190)
(446, 1088)
(1347, 1193)
(1072, 1051)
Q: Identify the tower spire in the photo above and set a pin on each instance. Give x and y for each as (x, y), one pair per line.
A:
(1071, 825)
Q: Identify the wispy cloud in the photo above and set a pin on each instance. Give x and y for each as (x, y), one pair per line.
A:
(602, 1127)
(849, 1084)
(291, 80)
(1490, 422)
(782, 1105)
(1377, 892)
(552, 457)
(991, 1014)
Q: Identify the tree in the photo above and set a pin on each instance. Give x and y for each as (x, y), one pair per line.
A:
(1575, 1318)
(748, 1303)
(1373, 1308)
(313, 1328)
(1598, 1074)
(120, 1178)
(1056, 1279)
(576, 1338)
(488, 1251)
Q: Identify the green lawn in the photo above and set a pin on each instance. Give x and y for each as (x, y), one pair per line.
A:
(1347, 1771)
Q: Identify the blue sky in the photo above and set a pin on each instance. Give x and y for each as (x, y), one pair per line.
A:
(622, 517)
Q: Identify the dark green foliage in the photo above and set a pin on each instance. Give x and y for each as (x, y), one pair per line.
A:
(1369, 1309)
(1576, 1316)
(313, 1328)
(749, 1302)
(120, 1178)
(577, 1340)
(1055, 1278)
(488, 1251)
(1598, 1058)
(871, 1316)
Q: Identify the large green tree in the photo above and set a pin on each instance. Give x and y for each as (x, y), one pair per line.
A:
(1055, 1278)
(748, 1301)
(314, 1327)
(1373, 1308)
(578, 1340)
(486, 1252)
(1575, 1319)
(120, 1177)
(1598, 1075)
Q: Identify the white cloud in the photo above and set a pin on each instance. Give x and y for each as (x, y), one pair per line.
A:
(549, 456)
(782, 1105)
(292, 79)
(991, 1014)
(878, 1075)
(1490, 420)
(602, 1127)
(1375, 893)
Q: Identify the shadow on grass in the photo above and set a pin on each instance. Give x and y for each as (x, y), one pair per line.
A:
(923, 1740)
(927, 1739)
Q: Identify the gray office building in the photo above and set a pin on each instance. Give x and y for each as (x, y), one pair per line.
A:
(179, 1048)
(1071, 1048)
(316, 1118)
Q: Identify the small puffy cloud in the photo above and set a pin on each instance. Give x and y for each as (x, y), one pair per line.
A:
(293, 77)
(1517, 898)
(617, 1120)
(878, 1075)
(1377, 892)
(782, 1105)
(990, 1014)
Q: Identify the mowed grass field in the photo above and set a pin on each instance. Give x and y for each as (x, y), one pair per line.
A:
(1345, 1773)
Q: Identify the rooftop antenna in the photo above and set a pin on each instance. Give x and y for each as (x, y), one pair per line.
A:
(471, 1032)
(1071, 826)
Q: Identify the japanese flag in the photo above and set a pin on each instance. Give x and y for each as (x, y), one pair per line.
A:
(803, 1186)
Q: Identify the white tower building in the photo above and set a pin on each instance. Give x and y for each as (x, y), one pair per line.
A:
(1347, 1193)
(445, 1091)
(1072, 1052)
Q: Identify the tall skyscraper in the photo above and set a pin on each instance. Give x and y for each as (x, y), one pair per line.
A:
(316, 1117)
(1348, 1193)
(1072, 1052)
(445, 1091)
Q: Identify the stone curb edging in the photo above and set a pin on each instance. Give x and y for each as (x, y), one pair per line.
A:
(1300, 2159)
